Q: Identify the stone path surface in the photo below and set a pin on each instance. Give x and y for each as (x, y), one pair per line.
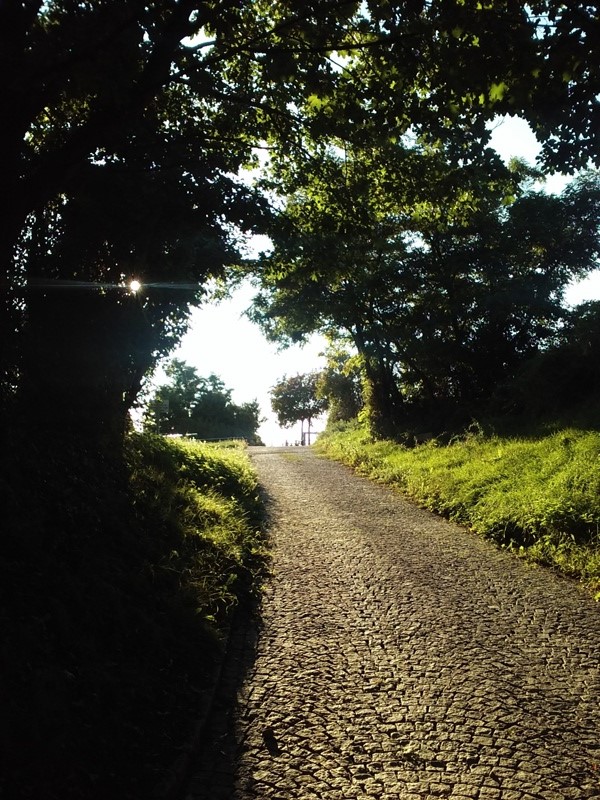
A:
(398, 656)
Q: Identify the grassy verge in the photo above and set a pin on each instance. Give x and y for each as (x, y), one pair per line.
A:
(117, 579)
(204, 498)
(538, 496)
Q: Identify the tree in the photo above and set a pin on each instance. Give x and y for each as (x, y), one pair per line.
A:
(117, 159)
(129, 207)
(297, 399)
(346, 247)
(493, 293)
(443, 296)
(202, 407)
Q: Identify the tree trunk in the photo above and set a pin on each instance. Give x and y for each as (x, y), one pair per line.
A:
(383, 400)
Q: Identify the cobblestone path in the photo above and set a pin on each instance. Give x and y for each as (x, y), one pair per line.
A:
(399, 656)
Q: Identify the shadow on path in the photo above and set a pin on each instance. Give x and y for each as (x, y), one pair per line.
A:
(214, 768)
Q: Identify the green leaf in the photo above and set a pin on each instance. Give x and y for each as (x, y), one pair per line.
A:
(497, 91)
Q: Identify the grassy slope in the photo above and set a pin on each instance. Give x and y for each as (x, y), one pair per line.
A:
(539, 496)
(116, 580)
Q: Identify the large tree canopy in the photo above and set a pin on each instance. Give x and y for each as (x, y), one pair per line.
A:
(443, 279)
(118, 159)
(457, 62)
(127, 122)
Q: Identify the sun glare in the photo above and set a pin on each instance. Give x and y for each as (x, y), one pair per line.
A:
(135, 286)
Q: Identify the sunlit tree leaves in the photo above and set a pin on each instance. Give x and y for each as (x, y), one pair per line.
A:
(443, 280)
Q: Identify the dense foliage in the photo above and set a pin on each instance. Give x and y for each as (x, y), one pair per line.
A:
(340, 382)
(200, 407)
(443, 294)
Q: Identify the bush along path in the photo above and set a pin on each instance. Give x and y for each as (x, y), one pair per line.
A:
(399, 656)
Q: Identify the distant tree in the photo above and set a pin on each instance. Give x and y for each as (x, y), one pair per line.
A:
(297, 399)
(190, 404)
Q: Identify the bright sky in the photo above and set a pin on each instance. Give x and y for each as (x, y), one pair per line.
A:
(223, 341)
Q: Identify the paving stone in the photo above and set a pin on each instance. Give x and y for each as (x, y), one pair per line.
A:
(397, 656)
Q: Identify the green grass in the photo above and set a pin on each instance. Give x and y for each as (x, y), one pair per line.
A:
(206, 498)
(538, 495)
(118, 577)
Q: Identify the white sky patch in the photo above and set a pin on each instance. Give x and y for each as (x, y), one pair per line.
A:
(199, 40)
(512, 136)
(223, 341)
(585, 290)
